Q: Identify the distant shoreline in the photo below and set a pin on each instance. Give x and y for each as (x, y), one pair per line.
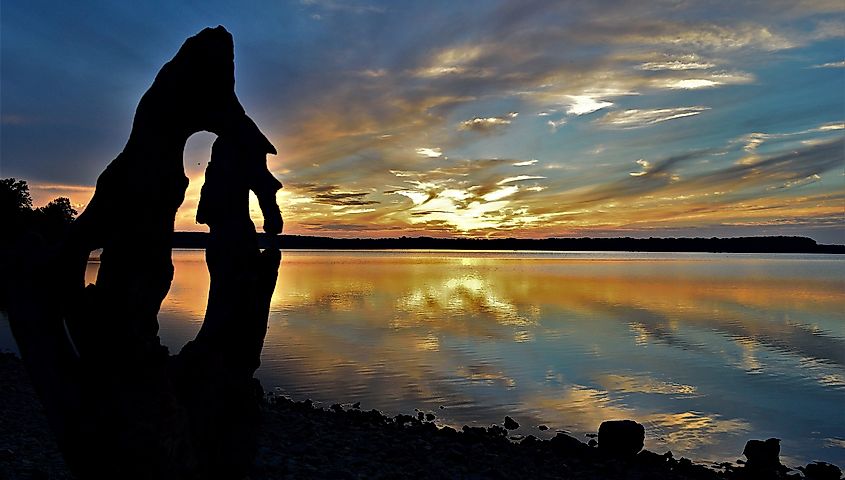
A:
(199, 240)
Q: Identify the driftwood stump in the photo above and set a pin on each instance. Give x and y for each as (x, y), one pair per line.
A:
(119, 404)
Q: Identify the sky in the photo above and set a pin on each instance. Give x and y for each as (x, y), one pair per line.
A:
(516, 118)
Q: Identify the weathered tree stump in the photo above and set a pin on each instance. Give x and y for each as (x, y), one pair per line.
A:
(119, 404)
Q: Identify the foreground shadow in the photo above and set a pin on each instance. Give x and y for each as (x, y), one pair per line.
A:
(119, 404)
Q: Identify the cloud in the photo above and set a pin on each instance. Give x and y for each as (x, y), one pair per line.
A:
(680, 62)
(702, 36)
(43, 193)
(645, 167)
(526, 163)
(455, 60)
(662, 179)
(15, 119)
(691, 83)
(429, 152)
(840, 64)
(339, 6)
(754, 140)
(518, 178)
(584, 104)
(636, 118)
(372, 73)
(487, 124)
(332, 195)
(555, 124)
(354, 211)
(500, 193)
(709, 80)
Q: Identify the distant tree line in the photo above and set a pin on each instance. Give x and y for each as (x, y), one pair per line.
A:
(19, 218)
(769, 244)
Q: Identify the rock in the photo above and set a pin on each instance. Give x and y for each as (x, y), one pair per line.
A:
(650, 458)
(592, 442)
(762, 455)
(621, 438)
(821, 471)
(430, 417)
(510, 423)
(564, 443)
(542, 428)
(474, 431)
(402, 419)
(356, 405)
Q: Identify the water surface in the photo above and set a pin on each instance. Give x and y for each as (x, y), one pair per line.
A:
(706, 350)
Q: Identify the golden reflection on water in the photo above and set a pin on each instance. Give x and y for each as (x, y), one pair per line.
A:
(567, 341)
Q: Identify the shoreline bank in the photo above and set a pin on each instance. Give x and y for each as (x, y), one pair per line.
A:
(299, 440)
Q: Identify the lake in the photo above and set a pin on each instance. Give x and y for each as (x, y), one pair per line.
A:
(705, 350)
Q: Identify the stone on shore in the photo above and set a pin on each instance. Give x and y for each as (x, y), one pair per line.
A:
(762, 455)
(821, 471)
(621, 438)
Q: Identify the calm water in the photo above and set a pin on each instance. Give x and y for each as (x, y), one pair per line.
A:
(705, 350)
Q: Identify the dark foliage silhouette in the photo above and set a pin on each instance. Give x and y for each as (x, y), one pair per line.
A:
(14, 196)
(20, 219)
(21, 223)
(119, 404)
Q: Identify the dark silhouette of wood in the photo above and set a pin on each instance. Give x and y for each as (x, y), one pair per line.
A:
(119, 404)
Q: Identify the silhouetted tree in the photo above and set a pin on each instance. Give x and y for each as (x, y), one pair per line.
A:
(18, 216)
(52, 220)
(59, 210)
(15, 207)
(14, 195)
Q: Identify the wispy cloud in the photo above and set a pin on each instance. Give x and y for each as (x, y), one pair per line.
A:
(636, 118)
(342, 6)
(518, 178)
(840, 64)
(488, 124)
(332, 195)
(555, 124)
(680, 62)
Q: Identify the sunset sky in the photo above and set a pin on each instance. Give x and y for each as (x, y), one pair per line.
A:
(474, 118)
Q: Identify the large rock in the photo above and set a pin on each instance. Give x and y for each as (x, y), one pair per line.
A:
(621, 438)
(762, 455)
(821, 471)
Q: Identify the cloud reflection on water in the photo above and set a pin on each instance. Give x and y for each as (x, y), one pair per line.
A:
(706, 351)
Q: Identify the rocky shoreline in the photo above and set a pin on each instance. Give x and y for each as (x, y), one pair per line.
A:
(300, 440)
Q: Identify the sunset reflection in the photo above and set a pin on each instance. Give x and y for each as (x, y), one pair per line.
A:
(566, 340)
